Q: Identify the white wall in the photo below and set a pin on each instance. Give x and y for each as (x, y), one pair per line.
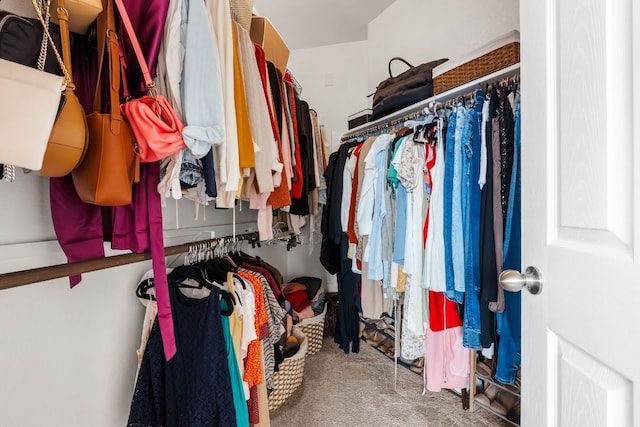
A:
(421, 31)
(333, 80)
(67, 357)
(336, 79)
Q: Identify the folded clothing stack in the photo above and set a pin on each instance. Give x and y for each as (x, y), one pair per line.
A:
(304, 296)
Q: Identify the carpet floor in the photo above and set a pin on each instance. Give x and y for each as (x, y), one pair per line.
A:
(353, 390)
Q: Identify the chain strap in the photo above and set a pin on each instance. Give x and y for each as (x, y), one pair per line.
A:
(9, 173)
(45, 37)
(67, 77)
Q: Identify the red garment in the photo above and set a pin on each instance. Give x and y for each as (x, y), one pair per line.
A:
(280, 197)
(252, 404)
(299, 300)
(296, 186)
(351, 225)
(262, 68)
(443, 313)
(430, 164)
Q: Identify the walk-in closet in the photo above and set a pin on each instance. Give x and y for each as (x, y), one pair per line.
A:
(319, 213)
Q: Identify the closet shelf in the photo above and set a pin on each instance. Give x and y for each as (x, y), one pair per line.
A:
(497, 384)
(374, 327)
(497, 414)
(407, 112)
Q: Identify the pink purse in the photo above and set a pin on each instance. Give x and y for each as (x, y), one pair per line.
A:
(157, 128)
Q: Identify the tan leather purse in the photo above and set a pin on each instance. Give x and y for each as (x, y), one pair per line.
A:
(69, 135)
(106, 175)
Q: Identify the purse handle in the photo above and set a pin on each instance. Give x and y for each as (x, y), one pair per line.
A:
(397, 58)
(63, 21)
(107, 36)
(67, 74)
(136, 47)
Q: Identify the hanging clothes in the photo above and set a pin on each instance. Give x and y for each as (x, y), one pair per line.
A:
(188, 389)
(226, 153)
(509, 322)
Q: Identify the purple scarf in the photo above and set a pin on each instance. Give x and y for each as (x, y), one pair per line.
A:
(81, 228)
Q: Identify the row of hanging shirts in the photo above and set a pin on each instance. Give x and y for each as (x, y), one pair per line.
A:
(411, 206)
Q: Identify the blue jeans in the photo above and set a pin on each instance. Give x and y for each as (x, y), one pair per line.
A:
(448, 205)
(462, 135)
(471, 213)
(401, 224)
(509, 322)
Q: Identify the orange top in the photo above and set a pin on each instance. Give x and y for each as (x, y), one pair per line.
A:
(253, 370)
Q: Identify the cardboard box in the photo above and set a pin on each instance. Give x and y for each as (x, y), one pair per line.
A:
(275, 49)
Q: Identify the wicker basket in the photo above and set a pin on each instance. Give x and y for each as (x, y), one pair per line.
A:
(481, 66)
(290, 374)
(313, 329)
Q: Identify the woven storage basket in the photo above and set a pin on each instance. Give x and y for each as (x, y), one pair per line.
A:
(481, 66)
(241, 11)
(290, 374)
(313, 329)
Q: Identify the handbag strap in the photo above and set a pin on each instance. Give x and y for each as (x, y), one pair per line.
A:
(397, 58)
(67, 76)
(107, 36)
(136, 46)
(63, 21)
(44, 44)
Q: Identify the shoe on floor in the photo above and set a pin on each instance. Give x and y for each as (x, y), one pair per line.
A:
(483, 399)
(513, 414)
(484, 368)
(498, 408)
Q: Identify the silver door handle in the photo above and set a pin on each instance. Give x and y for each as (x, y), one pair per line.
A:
(513, 280)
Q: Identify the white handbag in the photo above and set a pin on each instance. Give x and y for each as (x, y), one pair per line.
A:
(29, 101)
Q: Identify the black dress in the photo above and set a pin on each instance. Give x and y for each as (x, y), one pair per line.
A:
(194, 387)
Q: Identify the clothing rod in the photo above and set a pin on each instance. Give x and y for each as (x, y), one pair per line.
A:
(41, 274)
(416, 109)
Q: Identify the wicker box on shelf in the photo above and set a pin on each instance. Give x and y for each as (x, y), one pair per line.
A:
(497, 55)
(290, 373)
(313, 329)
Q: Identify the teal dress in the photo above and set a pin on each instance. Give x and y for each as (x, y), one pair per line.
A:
(239, 400)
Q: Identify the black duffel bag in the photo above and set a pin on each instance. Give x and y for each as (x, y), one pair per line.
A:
(396, 93)
(21, 40)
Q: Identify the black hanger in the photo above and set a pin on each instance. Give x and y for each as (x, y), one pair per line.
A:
(210, 273)
(142, 291)
(179, 274)
(240, 279)
(230, 300)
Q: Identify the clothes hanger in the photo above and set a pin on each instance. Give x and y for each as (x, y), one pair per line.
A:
(142, 291)
(182, 273)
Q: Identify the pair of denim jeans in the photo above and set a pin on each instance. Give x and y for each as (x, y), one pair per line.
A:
(471, 214)
(509, 321)
(451, 185)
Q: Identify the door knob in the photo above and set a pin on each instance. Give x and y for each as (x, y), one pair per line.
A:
(513, 281)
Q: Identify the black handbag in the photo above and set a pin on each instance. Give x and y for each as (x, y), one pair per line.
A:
(396, 93)
(21, 40)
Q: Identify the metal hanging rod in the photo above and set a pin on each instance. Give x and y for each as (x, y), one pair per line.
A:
(41, 274)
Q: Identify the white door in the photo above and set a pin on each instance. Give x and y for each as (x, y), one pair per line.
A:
(581, 211)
